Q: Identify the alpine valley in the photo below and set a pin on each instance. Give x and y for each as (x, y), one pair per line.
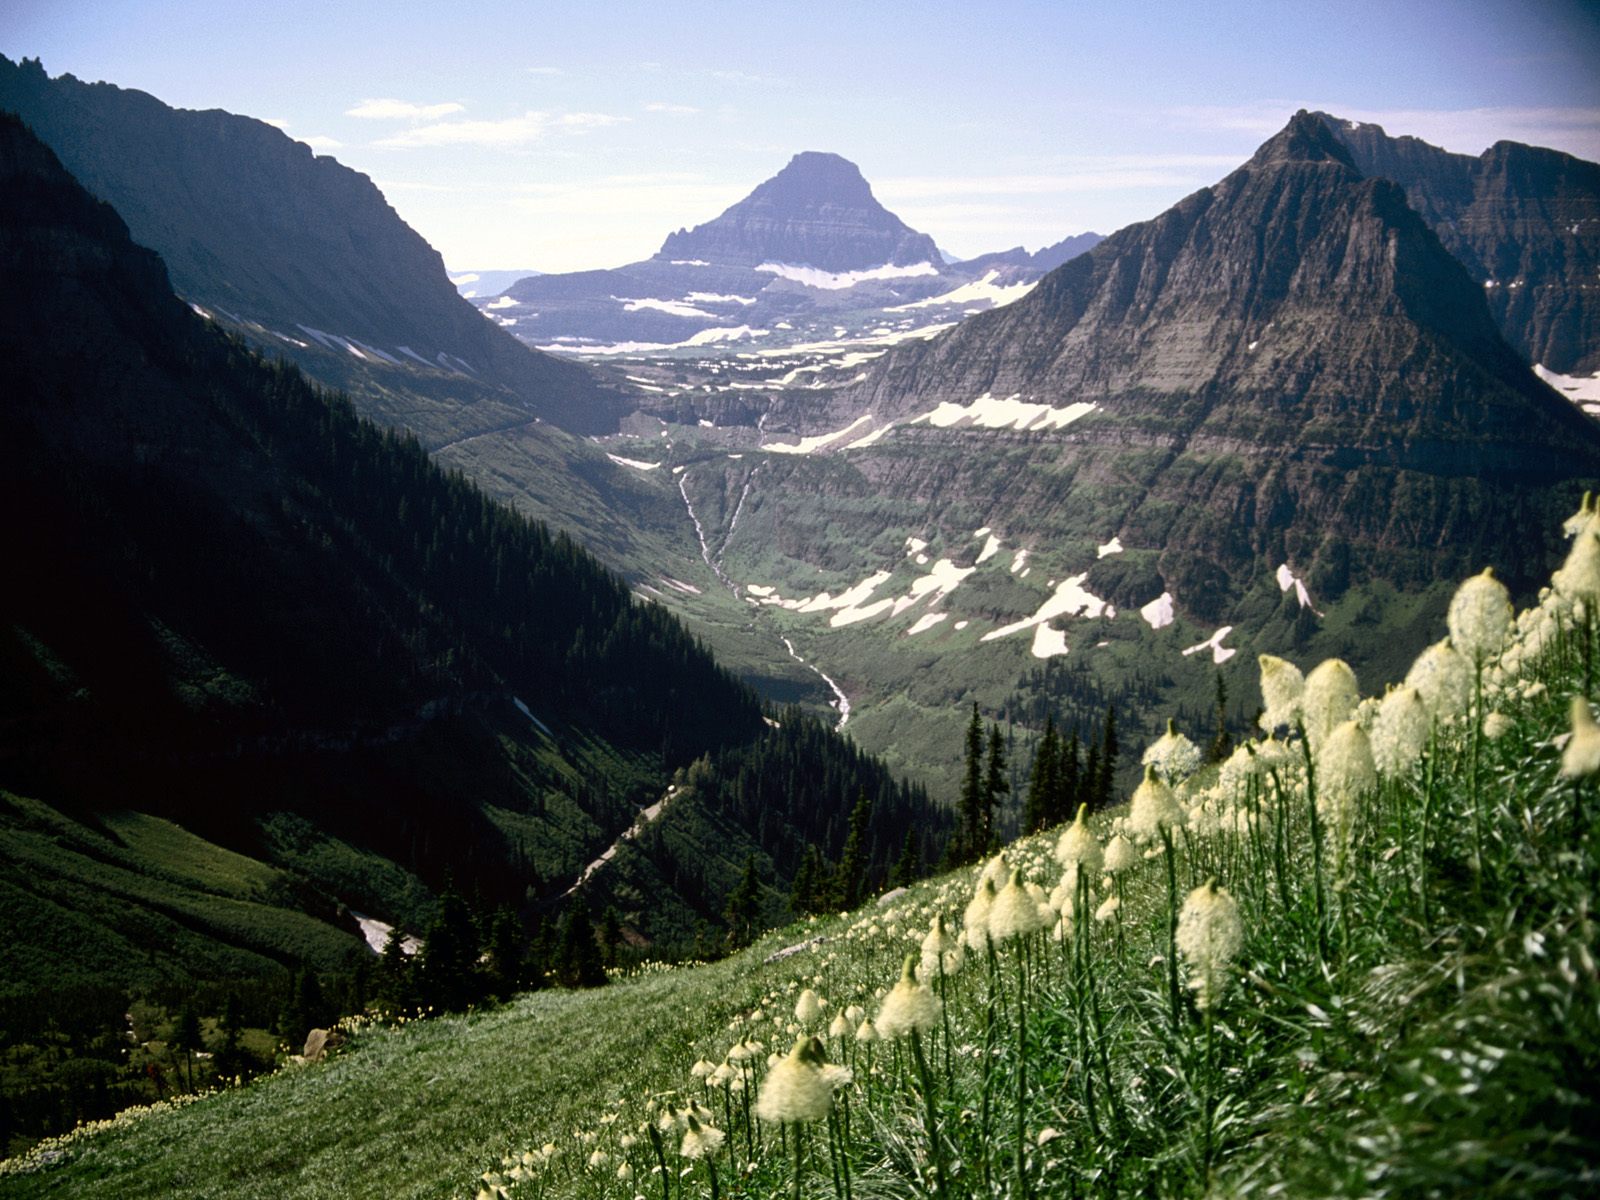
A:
(349, 602)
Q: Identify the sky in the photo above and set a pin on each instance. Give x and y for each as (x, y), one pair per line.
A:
(563, 136)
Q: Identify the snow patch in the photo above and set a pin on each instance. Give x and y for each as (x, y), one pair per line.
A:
(1577, 388)
(1159, 612)
(674, 308)
(1018, 560)
(1286, 580)
(990, 549)
(1114, 546)
(717, 298)
(961, 624)
(997, 294)
(680, 585)
(527, 712)
(832, 281)
(501, 302)
(1071, 599)
(818, 441)
(1219, 653)
(377, 934)
(1048, 642)
(915, 545)
(987, 412)
(926, 622)
(633, 462)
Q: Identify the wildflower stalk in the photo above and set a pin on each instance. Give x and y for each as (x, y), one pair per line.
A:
(1022, 1066)
(988, 1059)
(1094, 1009)
(935, 1147)
(1316, 847)
(1279, 834)
(661, 1158)
(1477, 740)
(1430, 776)
(1172, 926)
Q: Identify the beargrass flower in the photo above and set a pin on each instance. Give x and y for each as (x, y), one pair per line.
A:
(1210, 935)
(839, 1026)
(1078, 848)
(941, 950)
(1579, 576)
(1015, 913)
(1330, 698)
(700, 1141)
(1345, 771)
(1480, 617)
(867, 1032)
(1282, 686)
(1120, 855)
(1172, 754)
(795, 1088)
(1109, 909)
(1443, 678)
(1496, 725)
(1581, 758)
(909, 1006)
(808, 1007)
(1584, 518)
(975, 921)
(1400, 734)
(1153, 808)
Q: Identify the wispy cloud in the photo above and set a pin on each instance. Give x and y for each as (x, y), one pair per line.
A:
(275, 122)
(661, 106)
(545, 71)
(322, 142)
(401, 110)
(1466, 130)
(506, 133)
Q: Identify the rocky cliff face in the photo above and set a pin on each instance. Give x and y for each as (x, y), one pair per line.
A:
(1287, 363)
(817, 212)
(294, 250)
(1524, 221)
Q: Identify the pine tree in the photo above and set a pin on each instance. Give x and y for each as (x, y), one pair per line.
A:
(449, 970)
(743, 911)
(805, 896)
(850, 881)
(395, 984)
(1221, 741)
(1069, 792)
(1089, 787)
(908, 867)
(995, 787)
(1106, 783)
(973, 836)
(505, 952)
(1042, 784)
(186, 1037)
(229, 1061)
(578, 955)
(610, 934)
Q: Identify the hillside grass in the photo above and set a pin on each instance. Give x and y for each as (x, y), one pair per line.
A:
(1412, 1009)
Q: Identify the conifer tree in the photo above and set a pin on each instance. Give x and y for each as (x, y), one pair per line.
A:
(1106, 784)
(1090, 780)
(395, 985)
(505, 952)
(186, 1037)
(743, 911)
(908, 867)
(805, 896)
(974, 836)
(1039, 809)
(449, 974)
(850, 882)
(1221, 741)
(1069, 772)
(995, 787)
(578, 956)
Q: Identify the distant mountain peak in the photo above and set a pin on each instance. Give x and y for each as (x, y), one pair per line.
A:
(818, 211)
(1308, 137)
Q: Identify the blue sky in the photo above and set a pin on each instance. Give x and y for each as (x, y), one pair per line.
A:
(559, 136)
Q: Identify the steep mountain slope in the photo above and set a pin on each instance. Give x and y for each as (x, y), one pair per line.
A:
(1047, 258)
(1523, 220)
(1279, 414)
(296, 252)
(239, 606)
(809, 255)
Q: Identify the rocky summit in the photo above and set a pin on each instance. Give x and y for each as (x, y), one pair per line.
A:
(1523, 220)
(818, 211)
(809, 255)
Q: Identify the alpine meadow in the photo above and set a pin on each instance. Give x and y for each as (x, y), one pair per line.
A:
(1008, 606)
